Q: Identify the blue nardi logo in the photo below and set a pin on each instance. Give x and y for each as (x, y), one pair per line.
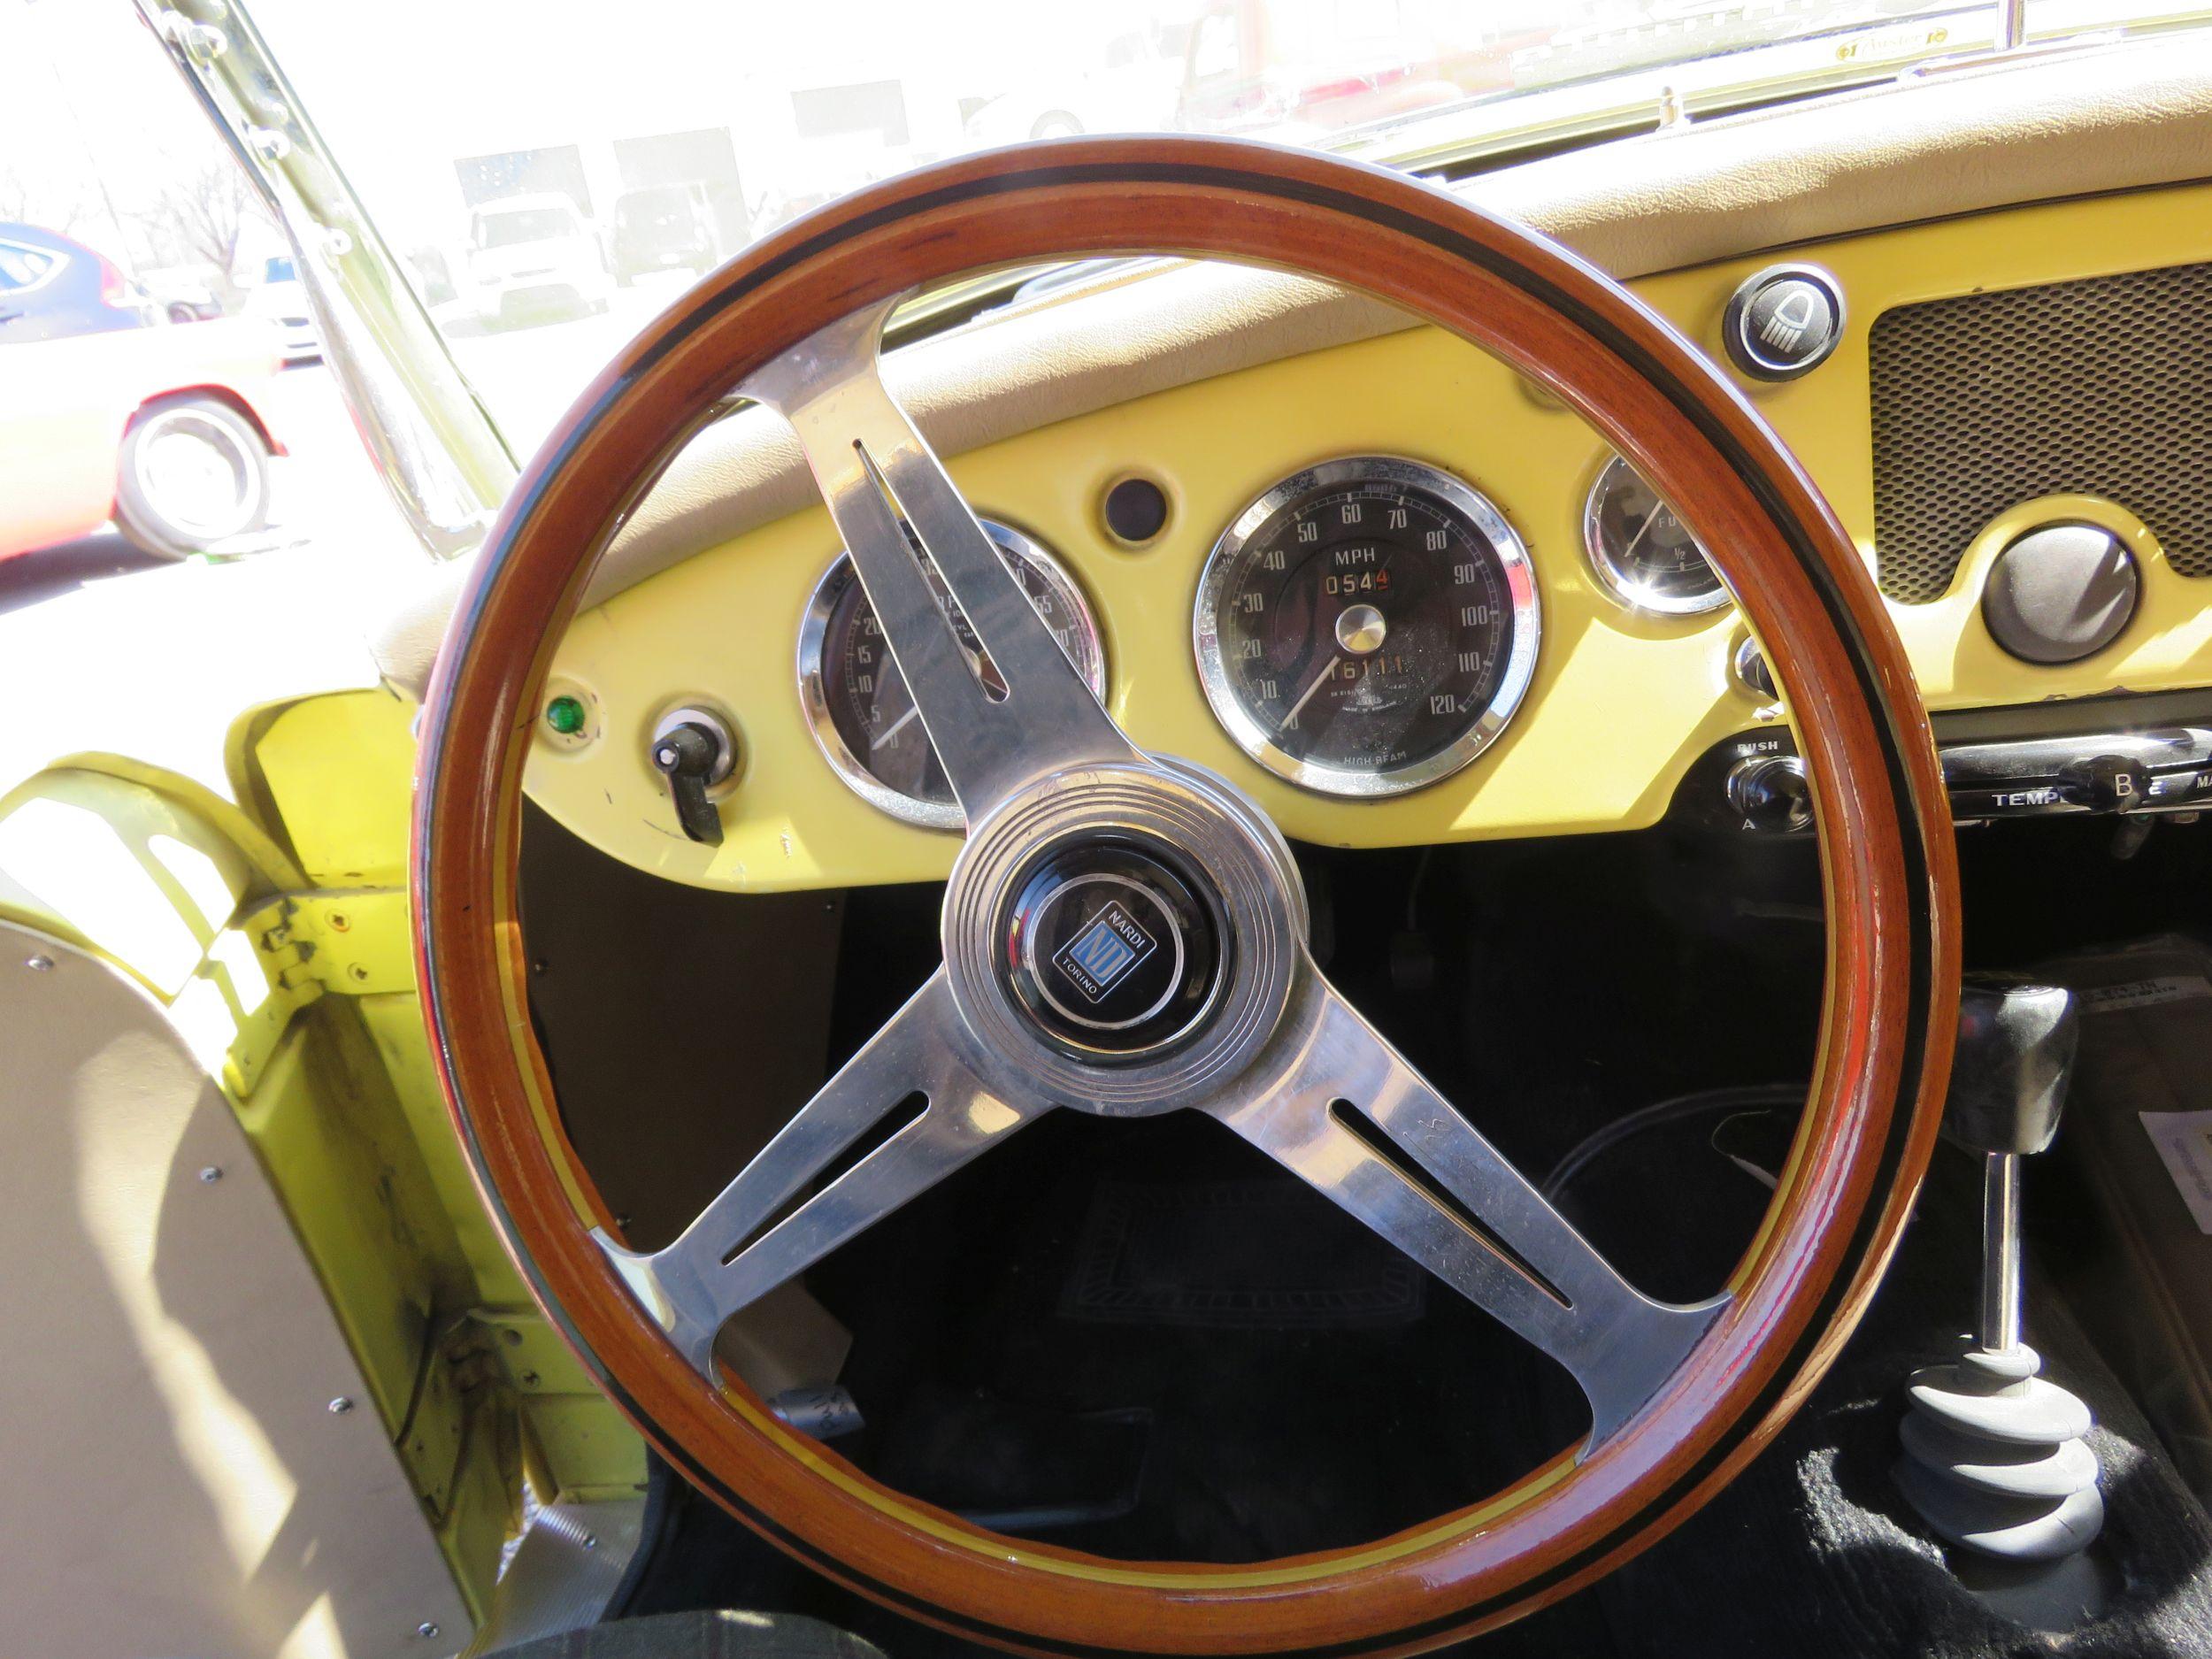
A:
(1103, 950)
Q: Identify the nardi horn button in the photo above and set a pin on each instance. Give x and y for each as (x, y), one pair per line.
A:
(1113, 951)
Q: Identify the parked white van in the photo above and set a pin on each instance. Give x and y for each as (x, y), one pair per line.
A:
(536, 254)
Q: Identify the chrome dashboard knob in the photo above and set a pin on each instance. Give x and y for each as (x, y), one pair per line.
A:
(1769, 792)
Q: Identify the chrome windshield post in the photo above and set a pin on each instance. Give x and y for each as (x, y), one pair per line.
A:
(443, 459)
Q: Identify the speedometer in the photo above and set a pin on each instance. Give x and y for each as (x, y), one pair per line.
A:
(856, 703)
(1366, 627)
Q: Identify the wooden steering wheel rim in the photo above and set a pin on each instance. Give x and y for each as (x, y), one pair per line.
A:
(1885, 841)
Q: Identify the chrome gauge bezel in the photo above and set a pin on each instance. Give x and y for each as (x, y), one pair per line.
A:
(821, 605)
(1617, 584)
(1358, 783)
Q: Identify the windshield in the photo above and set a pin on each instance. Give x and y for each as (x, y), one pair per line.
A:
(527, 223)
(743, 118)
(646, 206)
(549, 181)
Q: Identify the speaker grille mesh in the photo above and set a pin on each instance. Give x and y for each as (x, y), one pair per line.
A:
(2101, 387)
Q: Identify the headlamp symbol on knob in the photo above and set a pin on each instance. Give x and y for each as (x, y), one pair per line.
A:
(1786, 324)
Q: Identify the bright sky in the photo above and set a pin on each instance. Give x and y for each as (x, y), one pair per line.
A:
(86, 100)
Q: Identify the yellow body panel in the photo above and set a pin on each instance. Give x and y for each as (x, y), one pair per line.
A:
(1621, 705)
(290, 980)
(337, 773)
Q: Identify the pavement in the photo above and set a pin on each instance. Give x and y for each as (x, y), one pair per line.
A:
(104, 649)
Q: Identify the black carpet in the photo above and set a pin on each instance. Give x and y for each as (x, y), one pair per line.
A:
(1253, 1255)
(1811, 1553)
(1176, 1440)
(702, 1633)
(1301, 1390)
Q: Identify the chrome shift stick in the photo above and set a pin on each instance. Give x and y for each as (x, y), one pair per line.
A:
(2000, 1325)
(1994, 1459)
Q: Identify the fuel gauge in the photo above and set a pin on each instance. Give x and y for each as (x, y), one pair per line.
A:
(855, 699)
(1644, 554)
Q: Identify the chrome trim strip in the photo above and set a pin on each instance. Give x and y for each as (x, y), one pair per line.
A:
(434, 441)
(2159, 748)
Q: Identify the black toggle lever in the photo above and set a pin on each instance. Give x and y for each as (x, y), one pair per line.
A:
(695, 754)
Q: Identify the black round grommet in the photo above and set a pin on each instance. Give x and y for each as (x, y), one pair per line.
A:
(2061, 592)
(1136, 509)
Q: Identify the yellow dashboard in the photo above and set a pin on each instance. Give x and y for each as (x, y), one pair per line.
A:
(1622, 701)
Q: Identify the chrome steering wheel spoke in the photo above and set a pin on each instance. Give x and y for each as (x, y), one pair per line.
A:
(1031, 712)
(1339, 1106)
(1297, 1072)
(760, 1231)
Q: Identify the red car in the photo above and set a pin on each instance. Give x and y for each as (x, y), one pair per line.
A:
(107, 412)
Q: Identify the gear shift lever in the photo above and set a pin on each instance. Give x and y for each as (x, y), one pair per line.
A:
(1994, 1459)
(2015, 1059)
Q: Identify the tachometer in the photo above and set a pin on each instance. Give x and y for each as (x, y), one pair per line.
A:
(855, 699)
(1643, 553)
(1366, 627)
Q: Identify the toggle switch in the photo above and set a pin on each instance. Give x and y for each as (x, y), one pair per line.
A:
(694, 749)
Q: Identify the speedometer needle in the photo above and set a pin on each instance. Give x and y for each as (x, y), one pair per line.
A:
(892, 731)
(1306, 697)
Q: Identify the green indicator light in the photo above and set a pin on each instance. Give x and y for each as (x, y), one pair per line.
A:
(565, 715)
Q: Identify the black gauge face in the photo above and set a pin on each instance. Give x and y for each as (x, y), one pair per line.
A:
(1643, 553)
(854, 687)
(1367, 627)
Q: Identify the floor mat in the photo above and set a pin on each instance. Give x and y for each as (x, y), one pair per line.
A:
(1302, 1394)
(2137, 1254)
(1811, 1552)
(1216, 1256)
(1016, 1468)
